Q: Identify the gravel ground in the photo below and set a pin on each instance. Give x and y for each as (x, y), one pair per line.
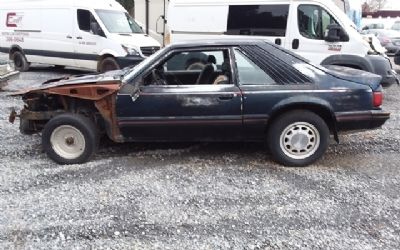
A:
(199, 196)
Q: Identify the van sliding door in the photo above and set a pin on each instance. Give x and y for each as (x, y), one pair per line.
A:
(57, 32)
(269, 21)
(87, 44)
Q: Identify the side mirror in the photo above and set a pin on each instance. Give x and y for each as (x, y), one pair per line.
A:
(96, 29)
(335, 33)
(162, 26)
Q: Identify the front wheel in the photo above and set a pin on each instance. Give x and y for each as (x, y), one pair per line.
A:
(70, 139)
(298, 138)
(108, 64)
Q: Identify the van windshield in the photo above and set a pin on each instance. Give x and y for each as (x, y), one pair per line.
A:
(118, 22)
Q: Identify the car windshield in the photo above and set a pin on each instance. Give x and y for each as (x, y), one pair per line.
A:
(118, 22)
(396, 26)
(375, 26)
(140, 67)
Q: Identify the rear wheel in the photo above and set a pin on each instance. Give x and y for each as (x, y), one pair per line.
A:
(70, 139)
(20, 62)
(108, 64)
(298, 138)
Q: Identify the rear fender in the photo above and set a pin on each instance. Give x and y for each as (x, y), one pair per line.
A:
(313, 104)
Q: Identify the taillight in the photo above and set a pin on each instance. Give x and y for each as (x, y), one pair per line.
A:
(377, 99)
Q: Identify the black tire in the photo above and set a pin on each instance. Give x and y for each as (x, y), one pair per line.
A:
(20, 62)
(108, 64)
(26, 127)
(310, 125)
(88, 132)
(59, 67)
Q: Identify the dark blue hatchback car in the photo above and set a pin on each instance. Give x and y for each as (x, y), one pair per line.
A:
(214, 90)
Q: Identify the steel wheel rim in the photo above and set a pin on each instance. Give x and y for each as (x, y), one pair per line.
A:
(300, 140)
(68, 142)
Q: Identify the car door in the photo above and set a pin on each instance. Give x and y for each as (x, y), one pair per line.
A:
(183, 110)
(307, 35)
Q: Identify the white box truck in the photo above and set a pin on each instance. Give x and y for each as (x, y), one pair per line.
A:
(315, 29)
(91, 34)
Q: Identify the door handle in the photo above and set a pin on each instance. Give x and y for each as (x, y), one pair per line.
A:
(295, 43)
(226, 97)
(278, 41)
(79, 37)
(69, 37)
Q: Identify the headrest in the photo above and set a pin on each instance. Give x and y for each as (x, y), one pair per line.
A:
(211, 59)
(225, 67)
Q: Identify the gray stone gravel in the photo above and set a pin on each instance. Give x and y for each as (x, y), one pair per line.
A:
(199, 196)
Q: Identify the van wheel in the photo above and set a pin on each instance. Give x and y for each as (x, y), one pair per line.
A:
(70, 139)
(298, 138)
(108, 64)
(20, 62)
(59, 67)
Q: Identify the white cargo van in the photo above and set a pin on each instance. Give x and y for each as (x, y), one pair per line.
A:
(316, 29)
(92, 34)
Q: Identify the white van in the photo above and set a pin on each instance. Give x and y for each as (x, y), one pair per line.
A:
(316, 29)
(92, 34)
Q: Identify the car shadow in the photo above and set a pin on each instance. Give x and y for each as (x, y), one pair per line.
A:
(111, 149)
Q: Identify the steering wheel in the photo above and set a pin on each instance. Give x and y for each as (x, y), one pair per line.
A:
(158, 77)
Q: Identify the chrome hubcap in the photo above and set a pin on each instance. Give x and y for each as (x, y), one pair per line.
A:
(300, 140)
(68, 142)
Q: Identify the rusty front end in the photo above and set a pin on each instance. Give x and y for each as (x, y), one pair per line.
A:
(93, 100)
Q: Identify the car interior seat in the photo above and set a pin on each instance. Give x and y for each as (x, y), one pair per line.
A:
(207, 74)
(224, 77)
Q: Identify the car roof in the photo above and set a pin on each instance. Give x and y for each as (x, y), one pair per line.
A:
(218, 42)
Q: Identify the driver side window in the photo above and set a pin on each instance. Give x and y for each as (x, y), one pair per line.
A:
(85, 20)
(313, 21)
(200, 67)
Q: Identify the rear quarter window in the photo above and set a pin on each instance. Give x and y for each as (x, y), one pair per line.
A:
(249, 72)
(277, 63)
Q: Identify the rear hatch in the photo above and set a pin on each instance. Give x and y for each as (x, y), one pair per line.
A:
(355, 75)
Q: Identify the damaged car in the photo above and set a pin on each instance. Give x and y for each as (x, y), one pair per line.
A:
(212, 90)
